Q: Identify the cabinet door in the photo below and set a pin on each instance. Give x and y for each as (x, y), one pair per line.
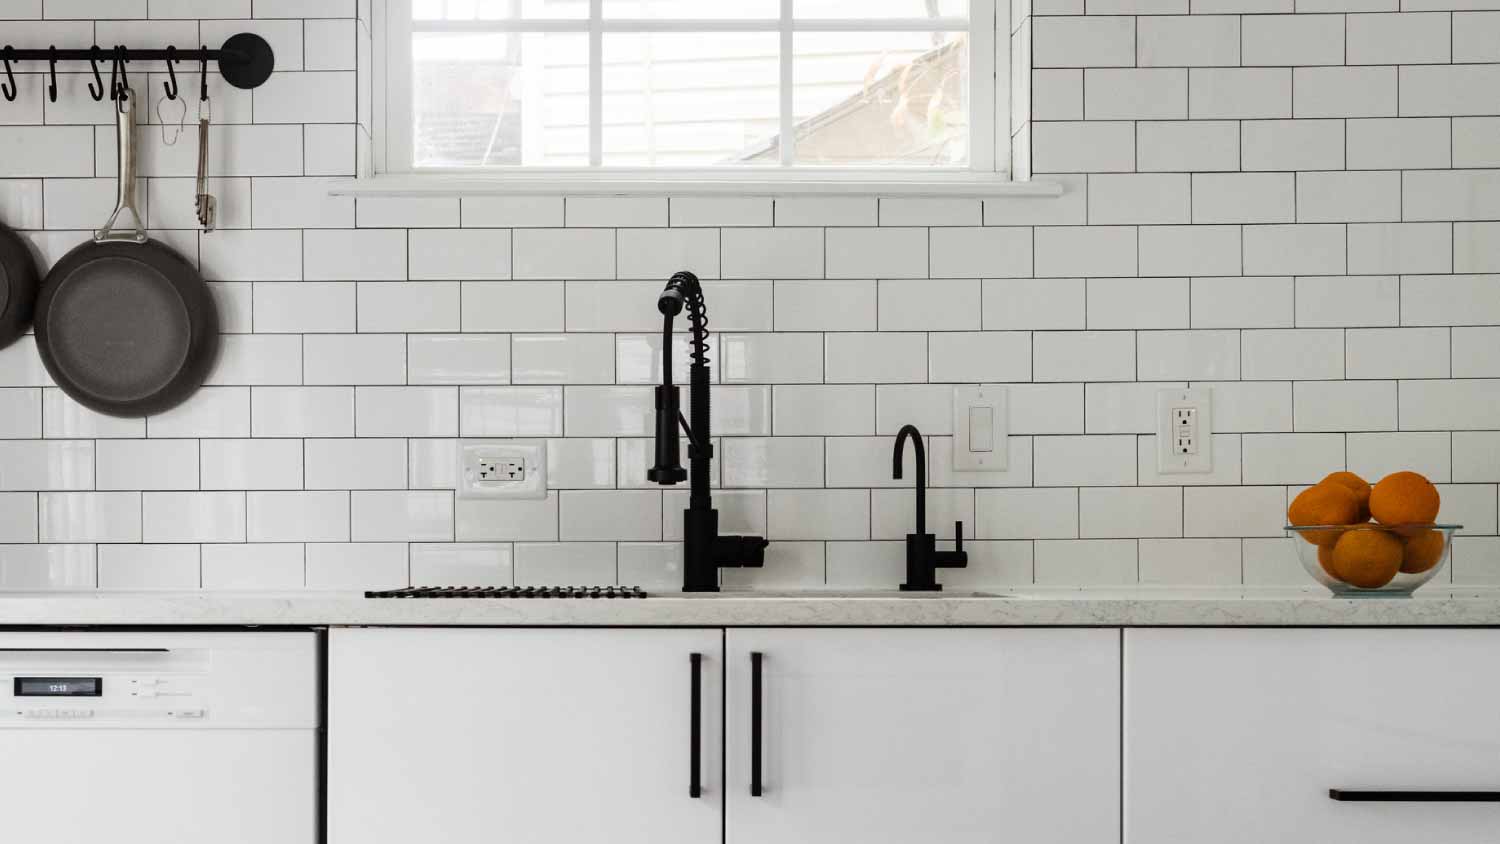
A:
(1236, 736)
(942, 735)
(534, 736)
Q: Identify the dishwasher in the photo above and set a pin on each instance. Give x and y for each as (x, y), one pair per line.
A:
(160, 737)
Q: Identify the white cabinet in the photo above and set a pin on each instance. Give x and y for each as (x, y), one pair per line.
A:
(941, 735)
(534, 736)
(1236, 736)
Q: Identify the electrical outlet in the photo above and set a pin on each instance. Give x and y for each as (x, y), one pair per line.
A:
(1184, 431)
(502, 469)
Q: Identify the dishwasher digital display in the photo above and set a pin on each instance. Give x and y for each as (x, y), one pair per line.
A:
(59, 687)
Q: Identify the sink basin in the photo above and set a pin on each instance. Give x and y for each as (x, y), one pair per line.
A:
(831, 593)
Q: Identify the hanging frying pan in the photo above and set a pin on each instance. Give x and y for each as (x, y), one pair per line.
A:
(124, 324)
(18, 283)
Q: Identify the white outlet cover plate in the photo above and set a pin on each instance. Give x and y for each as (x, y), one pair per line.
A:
(980, 397)
(1167, 461)
(531, 453)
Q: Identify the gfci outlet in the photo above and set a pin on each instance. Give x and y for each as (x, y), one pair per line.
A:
(1184, 431)
(502, 469)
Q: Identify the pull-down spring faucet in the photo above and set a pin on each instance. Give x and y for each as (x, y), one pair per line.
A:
(704, 551)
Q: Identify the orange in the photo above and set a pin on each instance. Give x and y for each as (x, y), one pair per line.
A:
(1324, 504)
(1367, 558)
(1325, 559)
(1423, 551)
(1405, 498)
(1358, 486)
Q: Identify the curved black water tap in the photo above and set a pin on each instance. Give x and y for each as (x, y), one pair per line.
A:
(896, 459)
(923, 559)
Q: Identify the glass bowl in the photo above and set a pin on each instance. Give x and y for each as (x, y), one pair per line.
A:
(1358, 560)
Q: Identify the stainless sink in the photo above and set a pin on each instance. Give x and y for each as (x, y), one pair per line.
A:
(884, 594)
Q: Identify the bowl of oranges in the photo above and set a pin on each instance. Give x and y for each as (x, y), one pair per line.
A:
(1381, 540)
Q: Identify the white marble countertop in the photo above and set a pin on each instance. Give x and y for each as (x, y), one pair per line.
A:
(1478, 606)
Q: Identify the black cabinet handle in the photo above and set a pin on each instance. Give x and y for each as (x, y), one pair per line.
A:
(1352, 796)
(755, 723)
(695, 753)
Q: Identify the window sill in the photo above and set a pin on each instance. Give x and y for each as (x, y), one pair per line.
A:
(608, 184)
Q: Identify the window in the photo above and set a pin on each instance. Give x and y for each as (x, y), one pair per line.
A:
(683, 91)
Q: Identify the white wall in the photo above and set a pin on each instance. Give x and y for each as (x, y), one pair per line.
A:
(1293, 208)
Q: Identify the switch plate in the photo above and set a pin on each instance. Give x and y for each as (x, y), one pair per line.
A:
(981, 426)
(1184, 431)
(502, 469)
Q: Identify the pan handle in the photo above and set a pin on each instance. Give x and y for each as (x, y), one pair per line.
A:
(125, 132)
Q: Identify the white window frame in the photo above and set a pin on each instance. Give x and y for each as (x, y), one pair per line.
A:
(987, 173)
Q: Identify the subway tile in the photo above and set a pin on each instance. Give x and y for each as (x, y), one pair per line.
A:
(1083, 356)
(1251, 406)
(1333, 301)
(1472, 506)
(1057, 94)
(1188, 41)
(1224, 470)
(826, 514)
(613, 306)
(562, 359)
(354, 255)
(824, 211)
(27, 465)
(858, 358)
(928, 406)
(1293, 40)
(1303, 458)
(1304, 354)
(297, 516)
(1137, 303)
(779, 252)
(193, 516)
(1071, 208)
(1242, 302)
(650, 565)
(825, 305)
(1475, 247)
(1392, 143)
(1243, 198)
(252, 255)
(507, 212)
(1129, 512)
(1476, 141)
(936, 304)
(459, 254)
(590, 411)
(18, 516)
(304, 307)
(1239, 93)
(1300, 249)
(229, 464)
(719, 211)
(1403, 38)
(1196, 562)
(1122, 408)
(865, 462)
(63, 418)
(788, 565)
(302, 411)
(1450, 299)
(146, 464)
(738, 305)
(563, 253)
(974, 252)
(1087, 562)
(1337, 197)
(883, 252)
(1155, 93)
(978, 356)
(605, 212)
(1197, 355)
(520, 520)
(520, 306)
(1332, 406)
(1188, 145)
(1476, 352)
(930, 211)
(88, 517)
(773, 462)
(892, 512)
(1273, 562)
(1190, 250)
(770, 358)
(257, 359)
(46, 151)
(1245, 511)
(1083, 147)
(1475, 36)
(742, 410)
(1476, 456)
(401, 306)
(21, 413)
(1451, 90)
(1130, 198)
(47, 567)
(148, 567)
(349, 359)
(1093, 460)
(405, 212)
(1344, 91)
(355, 464)
(1400, 353)
(575, 563)
(658, 253)
(1043, 303)
(401, 515)
(1450, 195)
(495, 412)
(299, 203)
(1095, 41)
(468, 563)
(1456, 405)
(357, 565)
(741, 511)
(639, 357)
(1085, 251)
(1375, 455)
(1400, 248)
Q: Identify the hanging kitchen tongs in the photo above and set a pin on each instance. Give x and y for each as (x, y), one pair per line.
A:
(204, 201)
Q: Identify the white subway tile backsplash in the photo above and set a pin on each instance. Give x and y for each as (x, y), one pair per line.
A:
(400, 515)
(1344, 91)
(193, 516)
(824, 211)
(1026, 303)
(459, 254)
(1084, 563)
(773, 253)
(1403, 38)
(1293, 40)
(1476, 141)
(1292, 354)
(1083, 147)
(1137, 303)
(1188, 145)
(974, 252)
(1197, 355)
(1190, 250)
(253, 566)
(1458, 405)
(146, 464)
(1188, 41)
(657, 253)
(302, 412)
(1451, 90)
(481, 412)
(1375, 455)
(1476, 352)
(354, 255)
(1083, 356)
(1199, 562)
(286, 516)
(1400, 248)
(978, 356)
(357, 565)
(1155, 93)
(88, 517)
(1077, 251)
(148, 567)
(1398, 353)
(561, 359)
(1129, 198)
(1093, 460)
(859, 358)
(354, 359)
(1122, 513)
(883, 252)
(1291, 458)
(1230, 511)
(1344, 406)
(687, 211)
(1332, 301)
(825, 514)
(1243, 198)
(1239, 93)
(250, 464)
(1476, 456)
(1401, 142)
(1301, 249)
(304, 307)
(1232, 302)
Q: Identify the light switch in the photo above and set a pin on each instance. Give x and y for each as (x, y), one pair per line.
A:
(981, 429)
(981, 422)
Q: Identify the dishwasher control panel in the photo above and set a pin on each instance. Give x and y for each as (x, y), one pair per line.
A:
(104, 697)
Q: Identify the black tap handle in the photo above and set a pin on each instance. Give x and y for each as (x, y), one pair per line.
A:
(958, 537)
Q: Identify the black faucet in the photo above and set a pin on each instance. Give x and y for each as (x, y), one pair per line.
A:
(704, 551)
(923, 559)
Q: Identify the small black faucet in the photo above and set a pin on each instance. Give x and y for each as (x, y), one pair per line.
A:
(704, 551)
(922, 557)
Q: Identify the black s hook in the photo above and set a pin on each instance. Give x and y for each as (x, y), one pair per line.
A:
(9, 87)
(122, 59)
(170, 86)
(96, 88)
(52, 73)
(203, 74)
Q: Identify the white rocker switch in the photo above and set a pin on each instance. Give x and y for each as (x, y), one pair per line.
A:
(981, 429)
(981, 422)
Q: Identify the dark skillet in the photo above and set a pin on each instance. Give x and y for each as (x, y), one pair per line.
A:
(124, 324)
(18, 284)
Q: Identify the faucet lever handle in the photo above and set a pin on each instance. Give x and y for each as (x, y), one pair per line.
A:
(958, 536)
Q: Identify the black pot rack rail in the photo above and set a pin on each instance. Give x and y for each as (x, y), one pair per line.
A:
(245, 61)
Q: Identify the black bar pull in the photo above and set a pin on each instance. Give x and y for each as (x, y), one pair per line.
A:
(1366, 796)
(695, 754)
(755, 723)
